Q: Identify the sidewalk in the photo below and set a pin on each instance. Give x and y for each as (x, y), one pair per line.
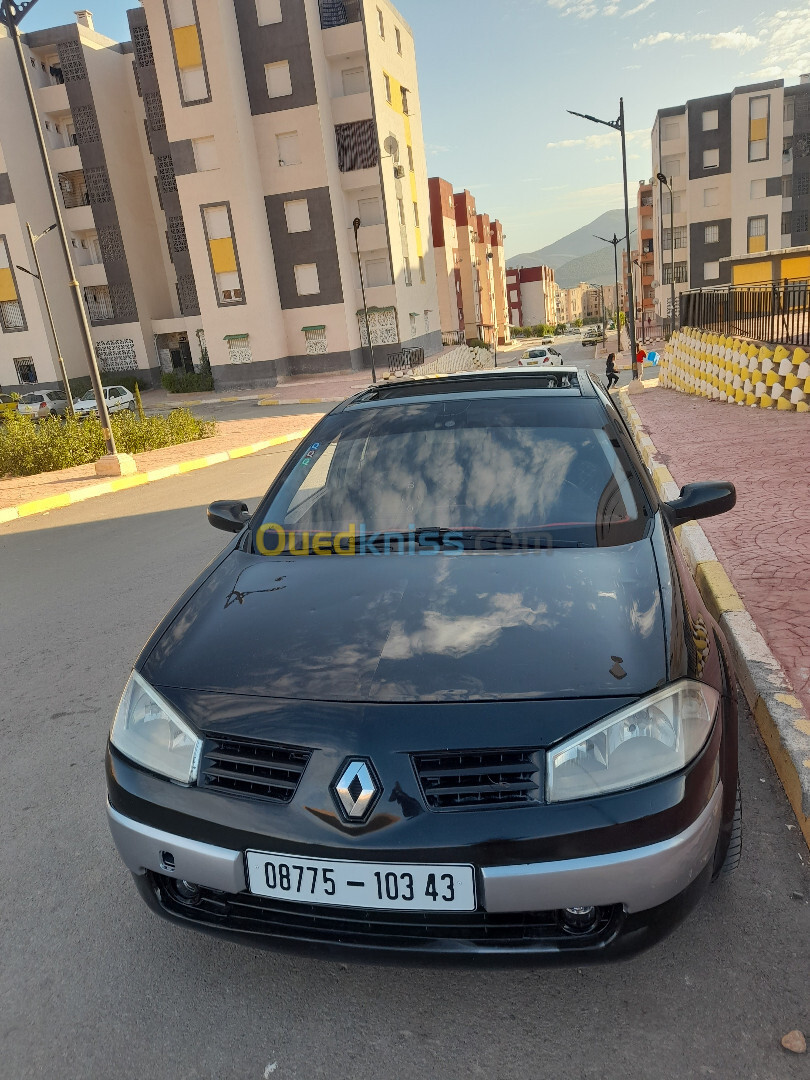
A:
(234, 437)
(764, 542)
(299, 391)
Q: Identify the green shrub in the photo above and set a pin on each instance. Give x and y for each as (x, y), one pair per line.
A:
(477, 343)
(188, 382)
(28, 446)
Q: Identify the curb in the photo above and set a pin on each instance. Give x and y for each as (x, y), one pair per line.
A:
(121, 483)
(779, 714)
(256, 400)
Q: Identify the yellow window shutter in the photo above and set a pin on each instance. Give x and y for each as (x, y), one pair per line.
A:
(187, 47)
(756, 243)
(223, 255)
(759, 129)
(7, 290)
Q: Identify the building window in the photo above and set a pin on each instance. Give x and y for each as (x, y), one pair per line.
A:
(380, 24)
(404, 95)
(711, 196)
(711, 235)
(414, 329)
(239, 349)
(800, 223)
(205, 154)
(401, 211)
(408, 274)
(671, 131)
(757, 234)
(758, 116)
(410, 164)
(710, 120)
(427, 321)
(388, 95)
(11, 312)
(758, 189)
(711, 271)
(26, 369)
(357, 145)
(376, 273)
(383, 325)
(711, 159)
(306, 279)
(222, 253)
(195, 87)
(680, 238)
(671, 167)
(681, 274)
(315, 339)
(787, 110)
(99, 304)
(369, 211)
(416, 215)
(787, 221)
(297, 213)
(399, 40)
(787, 186)
(676, 204)
(268, 11)
(279, 83)
(354, 81)
(188, 54)
(422, 269)
(289, 152)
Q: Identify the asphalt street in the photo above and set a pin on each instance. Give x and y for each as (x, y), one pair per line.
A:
(93, 986)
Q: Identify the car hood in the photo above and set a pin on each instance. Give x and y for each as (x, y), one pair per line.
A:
(447, 627)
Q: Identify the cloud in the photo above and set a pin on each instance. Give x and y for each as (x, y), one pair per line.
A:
(736, 40)
(785, 37)
(637, 8)
(587, 9)
(598, 142)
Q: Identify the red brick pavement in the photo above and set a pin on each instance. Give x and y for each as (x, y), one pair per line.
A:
(764, 543)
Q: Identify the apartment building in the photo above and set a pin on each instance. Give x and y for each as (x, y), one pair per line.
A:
(739, 165)
(241, 140)
(532, 296)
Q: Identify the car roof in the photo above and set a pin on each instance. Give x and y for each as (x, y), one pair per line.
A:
(562, 381)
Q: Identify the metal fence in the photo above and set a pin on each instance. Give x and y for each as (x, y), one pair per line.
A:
(772, 313)
(405, 361)
(452, 337)
(339, 12)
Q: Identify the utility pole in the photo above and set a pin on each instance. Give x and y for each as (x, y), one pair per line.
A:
(356, 224)
(663, 181)
(615, 242)
(11, 14)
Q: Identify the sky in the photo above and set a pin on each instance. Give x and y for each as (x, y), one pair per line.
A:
(496, 78)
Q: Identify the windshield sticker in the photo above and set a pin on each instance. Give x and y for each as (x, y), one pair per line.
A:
(309, 456)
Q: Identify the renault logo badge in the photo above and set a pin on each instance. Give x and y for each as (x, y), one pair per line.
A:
(356, 789)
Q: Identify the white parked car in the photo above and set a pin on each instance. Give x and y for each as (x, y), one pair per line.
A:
(540, 356)
(118, 399)
(42, 403)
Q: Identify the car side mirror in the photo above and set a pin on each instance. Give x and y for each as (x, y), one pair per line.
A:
(701, 501)
(228, 516)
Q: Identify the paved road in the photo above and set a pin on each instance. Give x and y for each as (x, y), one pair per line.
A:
(94, 987)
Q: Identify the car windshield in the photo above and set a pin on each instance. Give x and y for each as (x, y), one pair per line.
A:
(30, 399)
(515, 469)
(89, 396)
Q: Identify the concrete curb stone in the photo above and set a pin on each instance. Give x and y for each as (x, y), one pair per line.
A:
(778, 712)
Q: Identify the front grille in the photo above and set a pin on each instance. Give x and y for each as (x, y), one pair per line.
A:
(475, 778)
(247, 913)
(249, 767)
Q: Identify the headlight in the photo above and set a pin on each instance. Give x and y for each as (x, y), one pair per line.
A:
(149, 731)
(652, 738)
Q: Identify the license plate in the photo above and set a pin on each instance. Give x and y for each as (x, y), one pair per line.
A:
(393, 886)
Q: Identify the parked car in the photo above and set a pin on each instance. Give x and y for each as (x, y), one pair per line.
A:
(547, 340)
(41, 403)
(540, 355)
(449, 691)
(8, 406)
(118, 399)
(592, 336)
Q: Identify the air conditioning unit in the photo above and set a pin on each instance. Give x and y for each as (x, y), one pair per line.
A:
(399, 171)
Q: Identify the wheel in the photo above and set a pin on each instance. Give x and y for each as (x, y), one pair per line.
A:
(131, 406)
(732, 859)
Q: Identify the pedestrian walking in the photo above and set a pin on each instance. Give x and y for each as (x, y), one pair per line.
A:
(641, 356)
(610, 371)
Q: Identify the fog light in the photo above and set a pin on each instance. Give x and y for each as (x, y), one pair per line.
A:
(579, 920)
(187, 891)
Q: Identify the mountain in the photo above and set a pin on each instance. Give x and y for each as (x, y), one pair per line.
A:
(596, 267)
(574, 245)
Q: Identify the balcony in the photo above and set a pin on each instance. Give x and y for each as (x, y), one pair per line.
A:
(370, 237)
(335, 13)
(352, 107)
(99, 304)
(52, 99)
(66, 159)
(91, 275)
(342, 28)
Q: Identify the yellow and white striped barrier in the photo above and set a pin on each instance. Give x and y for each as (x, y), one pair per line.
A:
(737, 371)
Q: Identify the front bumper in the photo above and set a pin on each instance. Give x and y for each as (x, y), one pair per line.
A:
(639, 894)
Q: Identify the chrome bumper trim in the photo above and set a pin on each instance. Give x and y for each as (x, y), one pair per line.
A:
(639, 879)
(143, 848)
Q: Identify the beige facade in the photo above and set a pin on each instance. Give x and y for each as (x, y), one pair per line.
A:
(238, 140)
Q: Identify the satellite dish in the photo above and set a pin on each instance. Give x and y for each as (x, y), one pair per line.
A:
(391, 147)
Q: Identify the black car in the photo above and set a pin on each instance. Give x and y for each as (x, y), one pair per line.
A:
(449, 692)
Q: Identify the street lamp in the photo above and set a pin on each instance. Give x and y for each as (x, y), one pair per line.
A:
(641, 292)
(356, 223)
(662, 180)
(490, 258)
(618, 125)
(12, 12)
(38, 275)
(615, 241)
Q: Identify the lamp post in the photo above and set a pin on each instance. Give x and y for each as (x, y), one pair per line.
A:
(356, 223)
(662, 180)
(38, 275)
(490, 259)
(615, 241)
(12, 12)
(618, 125)
(641, 293)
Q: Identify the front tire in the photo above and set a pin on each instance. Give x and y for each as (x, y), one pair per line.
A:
(131, 406)
(734, 852)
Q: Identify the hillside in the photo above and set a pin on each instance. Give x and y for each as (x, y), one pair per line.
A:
(597, 267)
(575, 244)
